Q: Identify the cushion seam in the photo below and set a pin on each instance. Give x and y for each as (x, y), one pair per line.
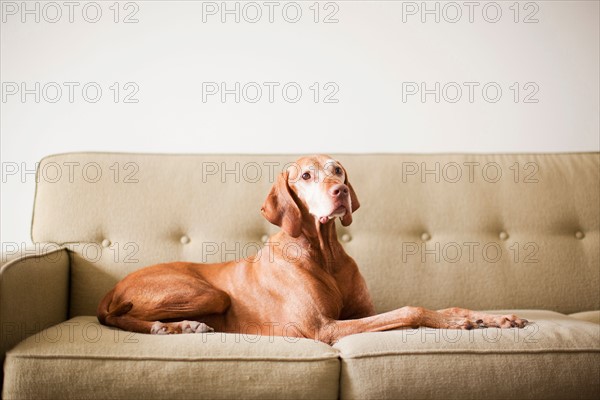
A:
(411, 353)
(178, 359)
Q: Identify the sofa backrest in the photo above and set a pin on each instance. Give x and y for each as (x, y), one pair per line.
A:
(476, 231)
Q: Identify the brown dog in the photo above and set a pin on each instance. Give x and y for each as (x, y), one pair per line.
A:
(318, 293)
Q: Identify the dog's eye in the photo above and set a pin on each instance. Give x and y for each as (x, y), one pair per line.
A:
(338, 171)
(306, 176)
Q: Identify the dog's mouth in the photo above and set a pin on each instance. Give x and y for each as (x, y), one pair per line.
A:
(338, 212)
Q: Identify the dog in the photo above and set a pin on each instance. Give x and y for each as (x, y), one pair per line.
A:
(319, 294)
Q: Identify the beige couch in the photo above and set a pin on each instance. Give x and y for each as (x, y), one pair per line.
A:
(489, 232)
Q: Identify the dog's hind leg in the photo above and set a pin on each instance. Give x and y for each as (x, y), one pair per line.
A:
(182, 309)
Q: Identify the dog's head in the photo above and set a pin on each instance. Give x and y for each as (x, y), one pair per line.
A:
(316, 188)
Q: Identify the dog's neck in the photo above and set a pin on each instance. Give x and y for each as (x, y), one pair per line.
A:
(322, 244)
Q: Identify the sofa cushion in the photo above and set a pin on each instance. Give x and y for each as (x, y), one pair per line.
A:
(82, 359)
(556, 356)
(590, 316)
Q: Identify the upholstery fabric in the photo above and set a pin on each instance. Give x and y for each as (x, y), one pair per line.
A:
(590, 316)
(82, 359)
(556, 357)
(519, 231)
(34, 293)
(475, 231)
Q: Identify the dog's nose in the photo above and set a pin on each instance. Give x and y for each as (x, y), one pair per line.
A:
(338, 190)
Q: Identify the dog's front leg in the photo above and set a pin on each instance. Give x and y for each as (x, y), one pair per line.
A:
(405, 317)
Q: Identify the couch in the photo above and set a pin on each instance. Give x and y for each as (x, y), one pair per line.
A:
(513, 232)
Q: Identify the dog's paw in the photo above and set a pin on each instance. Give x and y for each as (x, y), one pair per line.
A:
(159, 328)
(462, 323)
(171, 328)
(195, 327)
(504, 321)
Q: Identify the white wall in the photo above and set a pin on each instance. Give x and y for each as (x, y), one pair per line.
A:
(374, 55)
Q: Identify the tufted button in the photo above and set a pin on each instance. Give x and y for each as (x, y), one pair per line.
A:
(106, 243)
(184, 239)
(425, 236)
(503, 235)
(346, 238)
(264, 238)
(579, 235)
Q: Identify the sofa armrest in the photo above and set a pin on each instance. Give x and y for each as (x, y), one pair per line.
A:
(34, 292)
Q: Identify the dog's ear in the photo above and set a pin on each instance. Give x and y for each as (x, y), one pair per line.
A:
(347, 219)
(280, 208)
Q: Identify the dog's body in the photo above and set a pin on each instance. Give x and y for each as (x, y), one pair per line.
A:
(301, 284)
